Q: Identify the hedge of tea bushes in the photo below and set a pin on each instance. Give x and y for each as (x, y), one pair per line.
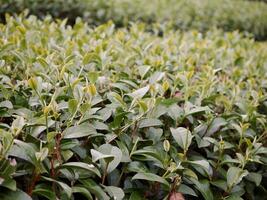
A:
(109, 113)
(259, 0)
(229, 15)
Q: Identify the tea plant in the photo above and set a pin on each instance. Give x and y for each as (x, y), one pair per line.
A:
(229, 15)
(109, 113)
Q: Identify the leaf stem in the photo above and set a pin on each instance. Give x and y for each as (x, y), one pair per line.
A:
(105, 174)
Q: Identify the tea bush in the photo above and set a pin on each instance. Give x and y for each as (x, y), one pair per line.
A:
(125, 114)
(228, 15)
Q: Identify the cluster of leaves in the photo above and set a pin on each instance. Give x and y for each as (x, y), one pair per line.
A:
(228, 15)
(125, 114)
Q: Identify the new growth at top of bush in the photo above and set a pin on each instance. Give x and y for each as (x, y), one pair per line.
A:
(228, 15)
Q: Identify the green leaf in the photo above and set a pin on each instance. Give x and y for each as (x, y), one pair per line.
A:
(204, 165)
(190, 173)
(254, 177)
(85, 107)
(115, 192)
(82, 191)
(14, 195)
(136, 196)
(95, 189)
(78, 131)
(197, 110)
(204, 187)
(96, 155)
(182, 136)
(149, 123)
(72, 106)
(33, 84)
(157, 76)
(7, 169)
(235, 175)
(233, 197)
(23, 150)
(216, 124)
(93, 76)
(67, 189)
(40, 156)
(47, 193)
(150, 177)
(17, 125)
(220, 184)
(184, 189)
(8, 183)
(108, 149)
(81, 165)
(136, 166)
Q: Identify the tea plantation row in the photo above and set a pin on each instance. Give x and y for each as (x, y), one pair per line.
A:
(126, 114)
(229, 15)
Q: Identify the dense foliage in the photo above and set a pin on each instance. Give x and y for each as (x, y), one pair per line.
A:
(124, 113)
(228, 15)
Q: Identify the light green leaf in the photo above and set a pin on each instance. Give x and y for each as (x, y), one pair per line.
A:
(157, 76)
(40, 156)
(93, 76)
(85, 107)
(190, 173)
(143, 70)
(166, 145)
(8, 183)
(138, 94)
(17, 125)
(72, 106)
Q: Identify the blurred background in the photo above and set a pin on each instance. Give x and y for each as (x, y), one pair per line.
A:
(248, 16)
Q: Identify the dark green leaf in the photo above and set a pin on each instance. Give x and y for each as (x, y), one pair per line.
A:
(78, 131)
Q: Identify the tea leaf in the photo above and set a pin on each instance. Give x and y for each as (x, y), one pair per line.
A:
(235, 175)
(140, 93)
(78, 131)
(182, 136)
(150, 177)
